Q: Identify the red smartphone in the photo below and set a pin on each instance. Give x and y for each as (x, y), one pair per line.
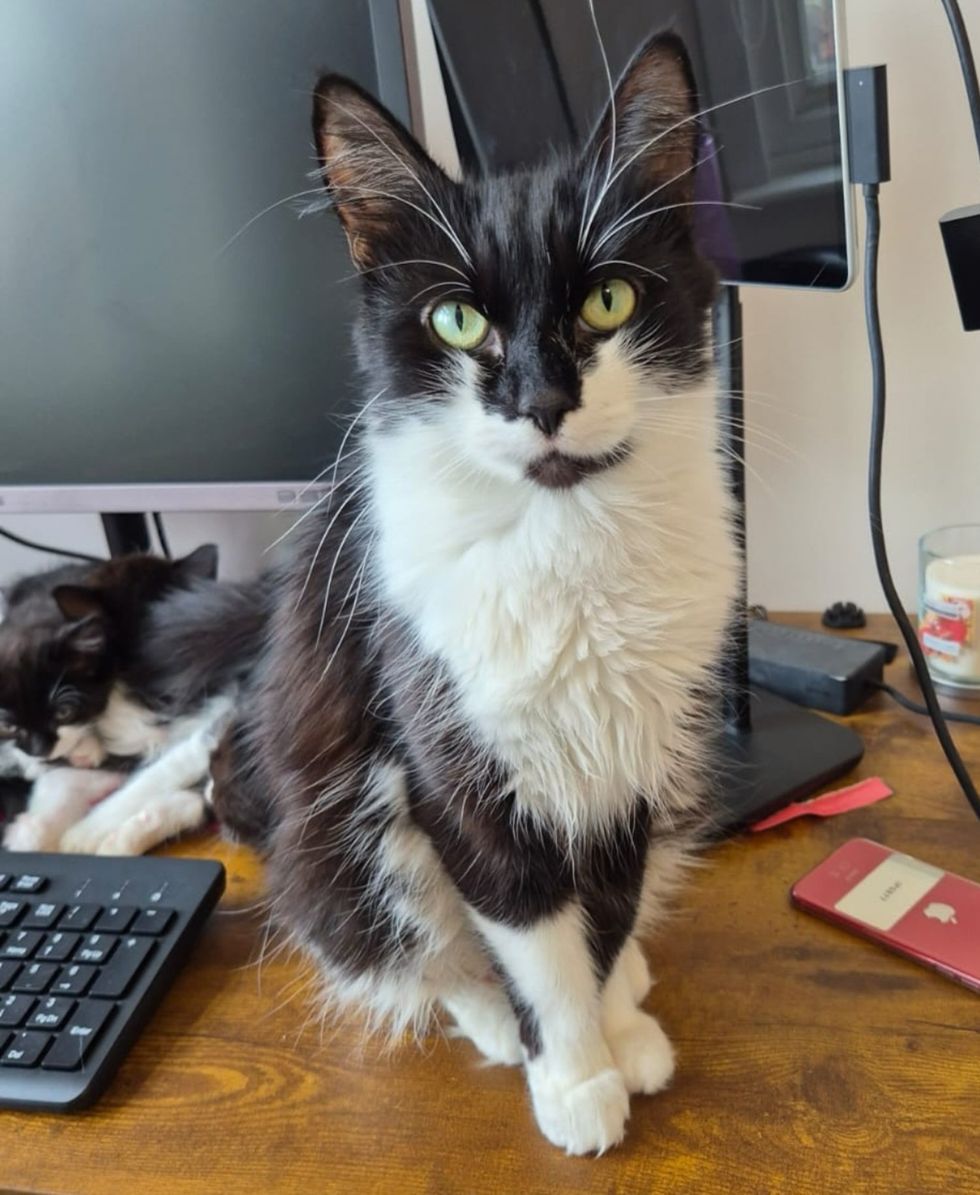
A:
(908, 906)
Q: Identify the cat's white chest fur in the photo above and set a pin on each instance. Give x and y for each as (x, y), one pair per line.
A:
(574, 623)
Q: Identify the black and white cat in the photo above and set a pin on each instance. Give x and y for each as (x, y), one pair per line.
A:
(110, 661)
(474, 750)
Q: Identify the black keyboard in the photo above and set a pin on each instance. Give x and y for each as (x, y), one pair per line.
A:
(88, 945)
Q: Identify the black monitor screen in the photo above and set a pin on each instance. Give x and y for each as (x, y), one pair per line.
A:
(165, 316)
(525, 74)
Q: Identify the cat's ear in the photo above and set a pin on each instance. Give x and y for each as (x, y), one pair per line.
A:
(77, 602)
(376, 173)
(87, 639)
(650, 128)
(201, 564)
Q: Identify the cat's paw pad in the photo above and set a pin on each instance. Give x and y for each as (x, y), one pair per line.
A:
(584, 1118)
(643, 1054)
(491, 1026)
(29, 832)
(637, 971)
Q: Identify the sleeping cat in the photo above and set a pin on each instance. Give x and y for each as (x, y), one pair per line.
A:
(86, 653)
(180, 689)
(473, 751)
(66, 635)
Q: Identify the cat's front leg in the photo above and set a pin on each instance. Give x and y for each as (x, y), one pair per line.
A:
(60, 798)
(579, 1095)
(640, 1047)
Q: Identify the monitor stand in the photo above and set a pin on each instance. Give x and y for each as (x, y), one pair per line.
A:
(126, 532)
(771, 751)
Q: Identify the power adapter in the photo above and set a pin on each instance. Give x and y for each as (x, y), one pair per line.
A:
(823, 672)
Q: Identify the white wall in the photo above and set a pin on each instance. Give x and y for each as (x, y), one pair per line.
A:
(807, 372)
(241, 536)
(806, 368)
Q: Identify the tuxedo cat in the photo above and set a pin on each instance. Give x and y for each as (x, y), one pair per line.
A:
(474, 749)
(66, 636)
(87, 653)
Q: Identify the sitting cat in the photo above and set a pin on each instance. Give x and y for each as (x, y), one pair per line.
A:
(474, 749)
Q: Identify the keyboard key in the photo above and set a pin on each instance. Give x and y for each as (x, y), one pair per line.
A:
(58, 947)
(28, 883)
(14, 1010)
(35, 978)
(21, 944)
(73, 980)
(42, 916)
(4, 880)
(96, 948)
(8, 969)
(79, 916)
(115, 978)
(115, 919)
(5, 1036)
(50, 1012)
(10, 910)
(152, 921)
(75, 1041)
(26, 1049)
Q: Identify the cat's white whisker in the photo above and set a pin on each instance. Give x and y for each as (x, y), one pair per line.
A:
(622, 216)
(333, 567)
(443, 221)
(647, 145)
(617, 229)
(258, 216)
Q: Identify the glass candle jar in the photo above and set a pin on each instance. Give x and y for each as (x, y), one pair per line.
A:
(949, 606)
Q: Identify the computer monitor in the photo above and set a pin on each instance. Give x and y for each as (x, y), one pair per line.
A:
(172, 336)
(524, 75)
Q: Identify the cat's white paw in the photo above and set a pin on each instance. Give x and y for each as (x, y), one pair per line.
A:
(488, 1020)
(637, 971)
(31, 832)
(86, 836)
(582, 1118)
(643, 1053)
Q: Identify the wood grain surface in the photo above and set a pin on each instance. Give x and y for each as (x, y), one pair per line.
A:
(810, 1062)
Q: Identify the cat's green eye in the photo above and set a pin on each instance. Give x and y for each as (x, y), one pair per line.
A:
(609, 305)
(459, 325)
(64, 711)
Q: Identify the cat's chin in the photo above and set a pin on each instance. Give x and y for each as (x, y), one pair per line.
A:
(560, 471)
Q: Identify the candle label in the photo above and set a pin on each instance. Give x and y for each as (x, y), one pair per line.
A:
(946, 628)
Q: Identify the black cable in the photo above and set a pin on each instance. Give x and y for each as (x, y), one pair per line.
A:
(967, 65)
(916, 707)
(27, 543)
(162, 535)
(873, 234)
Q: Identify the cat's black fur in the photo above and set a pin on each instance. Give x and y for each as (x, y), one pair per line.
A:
(70, 633)
(202, 641)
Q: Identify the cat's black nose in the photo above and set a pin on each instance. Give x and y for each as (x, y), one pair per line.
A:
(547, 408)
(36, 743)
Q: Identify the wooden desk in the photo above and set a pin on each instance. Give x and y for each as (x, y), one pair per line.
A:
(810, 1062)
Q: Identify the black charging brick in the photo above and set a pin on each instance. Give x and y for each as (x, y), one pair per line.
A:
(824, 672)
